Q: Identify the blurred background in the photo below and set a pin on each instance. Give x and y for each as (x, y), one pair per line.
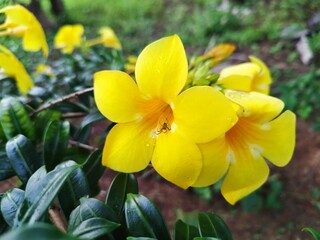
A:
(285, 34)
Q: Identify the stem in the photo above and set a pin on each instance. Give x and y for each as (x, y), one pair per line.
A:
(94, 41)
(60, 100)
(74, 115)
(57, 219)
(82, 145)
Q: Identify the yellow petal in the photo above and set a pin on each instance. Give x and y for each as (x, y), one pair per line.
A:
(34, 40)
(202, 113)
(116, 95)
(236, 82)
(162, 69)
(257, 107)
(128, 148)
(246, 69)
(24, 82)
(16, 14)
(177, 159)
(246, 174)
(263, 80)
(277, 139)
(215, 163)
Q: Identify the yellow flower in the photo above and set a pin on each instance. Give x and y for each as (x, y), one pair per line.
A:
(68, 38)
(44, 69)
(261, 132)
(22, 23)
(131, 64)
(251, 76)
(218, 53)
(156, 121)
(107, 37)
(12, 67)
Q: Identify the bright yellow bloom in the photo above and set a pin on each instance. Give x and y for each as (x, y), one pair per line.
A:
(12, 67)
(156, 121)
(219, 53)
(261, 132)
(22, 23)
(107, 37)
(68, 38)
(251, 76)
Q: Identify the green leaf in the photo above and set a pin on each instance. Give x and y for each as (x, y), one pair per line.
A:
(81, 133)
(90, 208)
(10, 202)
(23, 157)
(207, 238)
(184, 231)
(315, 234)
(211, 225)
(75, 187)
(15, 119)
(93, 170)
(6, 170)
(144, 219)
(44, 118)
(121, 185)
(55, 143)
(39, 196)
(140, 238)
(94, 227)
(37, 231)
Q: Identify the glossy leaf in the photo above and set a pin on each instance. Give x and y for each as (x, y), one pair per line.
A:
(37, 231)
(15, 119)
(143, 218)
(39, 196)
(121, 185)
(75, 187)
(23, 157)
(90, 208)
(10, 202)
(315, 234)
(6, 169)
(183, 231)
(211, 225)
(44, 118)
(55, 143)
(93, 170)
(94, 227)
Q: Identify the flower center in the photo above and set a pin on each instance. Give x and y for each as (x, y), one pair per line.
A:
(158, 116)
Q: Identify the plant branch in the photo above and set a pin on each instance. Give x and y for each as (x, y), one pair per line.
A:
(62, 99)
(81, 145)
(57, 219)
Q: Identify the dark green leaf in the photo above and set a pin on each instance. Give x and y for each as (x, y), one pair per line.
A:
(15, 119)
(90, 208)
(184, 231)
(55, 143)
(10, 203)
(207, 238)
(39, 196)
(37, 231)
(140, 238)
(44, 118)
(144, 219)
(75, 187)
(6, 170)
(23, 157)
(315, 234)
(93, 170)
(94, 227)
(211, 225)
(121, 185)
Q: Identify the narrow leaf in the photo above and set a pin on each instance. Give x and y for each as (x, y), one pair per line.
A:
(23, 157)
(184, 231)
(93, 170)
(75, 187)
(6, 169)
(94, 227)
(15, 119)
(211, 225)
(10, 202)
(37, 231)
(39, 196)
(90, 208)
(144, 219)
(121, 185)
(315, 234)
(45, 117)
(55, 143)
